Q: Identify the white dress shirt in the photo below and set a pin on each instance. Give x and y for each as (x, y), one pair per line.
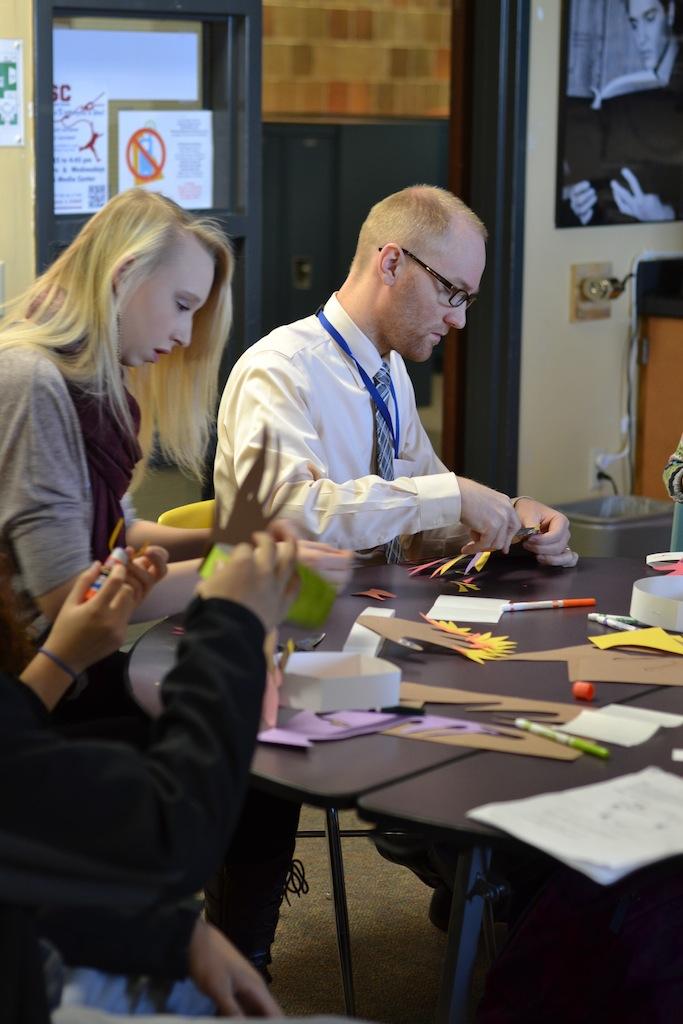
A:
(300, 383)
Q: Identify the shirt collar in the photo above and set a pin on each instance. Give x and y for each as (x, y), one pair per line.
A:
(359, 343)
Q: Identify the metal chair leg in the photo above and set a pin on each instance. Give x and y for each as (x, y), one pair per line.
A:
(341, 915)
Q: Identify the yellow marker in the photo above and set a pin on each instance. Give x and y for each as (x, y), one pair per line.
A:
(114, 534)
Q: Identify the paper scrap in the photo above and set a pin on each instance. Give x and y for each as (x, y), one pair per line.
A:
(375, 593)
(495, 646)
(595, 725)
(653, 637)
(283, 738)
(416, 570)
(467, 609)
(478, 561)
(670, 568)
(605, 830)
(307, 727)
(677, 754)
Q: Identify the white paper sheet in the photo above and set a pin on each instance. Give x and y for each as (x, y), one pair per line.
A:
(362, 640)
(467, 609)
(677, 754)
(596, 725)
(665, 718)
(606, 830)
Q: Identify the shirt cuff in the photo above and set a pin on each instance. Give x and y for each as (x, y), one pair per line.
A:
(439, 499)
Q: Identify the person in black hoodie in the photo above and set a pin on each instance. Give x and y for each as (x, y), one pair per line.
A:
(101, 845)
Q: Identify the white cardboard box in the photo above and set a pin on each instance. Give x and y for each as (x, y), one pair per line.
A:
(336, 681)
(658, 601)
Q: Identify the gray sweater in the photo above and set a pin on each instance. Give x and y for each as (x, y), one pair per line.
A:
(45, 500)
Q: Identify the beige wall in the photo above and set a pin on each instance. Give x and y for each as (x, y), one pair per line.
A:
(17, 223)
(572, 374)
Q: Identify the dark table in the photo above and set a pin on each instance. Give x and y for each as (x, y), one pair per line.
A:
(436, 802)
(370, 770)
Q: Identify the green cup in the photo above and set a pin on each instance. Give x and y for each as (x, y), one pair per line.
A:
(313, 602)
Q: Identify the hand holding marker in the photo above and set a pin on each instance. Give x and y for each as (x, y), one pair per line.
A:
(119, 556)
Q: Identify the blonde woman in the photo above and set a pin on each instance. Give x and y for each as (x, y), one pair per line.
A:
(121, 337)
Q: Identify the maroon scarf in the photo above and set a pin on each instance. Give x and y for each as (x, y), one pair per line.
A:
(111, 458)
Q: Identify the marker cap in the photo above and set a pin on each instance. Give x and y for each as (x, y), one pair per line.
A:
(583, 690)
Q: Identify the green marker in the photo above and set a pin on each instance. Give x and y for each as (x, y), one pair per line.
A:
(585, 746)
(313, 602)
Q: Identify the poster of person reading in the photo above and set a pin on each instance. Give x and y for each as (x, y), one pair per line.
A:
(620, 138)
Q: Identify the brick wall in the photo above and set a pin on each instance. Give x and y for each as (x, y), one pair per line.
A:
(387, 58)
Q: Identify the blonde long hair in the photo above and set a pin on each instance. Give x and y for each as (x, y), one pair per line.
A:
(70, 315)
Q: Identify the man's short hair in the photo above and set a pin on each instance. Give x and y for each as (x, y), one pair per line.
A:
(409, 217)
(677, 6)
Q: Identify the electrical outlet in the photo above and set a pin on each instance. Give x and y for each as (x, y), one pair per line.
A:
(589, 291)
(595, 465)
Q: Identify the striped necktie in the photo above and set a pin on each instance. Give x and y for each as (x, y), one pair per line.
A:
(385, 451)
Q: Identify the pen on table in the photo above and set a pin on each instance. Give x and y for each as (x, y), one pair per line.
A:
(613, 621)
(585, 746)
(564, 602)
(289, 647)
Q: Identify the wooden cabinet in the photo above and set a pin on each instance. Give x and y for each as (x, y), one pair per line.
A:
(660, 401)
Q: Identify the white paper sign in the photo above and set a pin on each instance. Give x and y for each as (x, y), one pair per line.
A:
(128, 65)
(11, 92)
(80, 150)
(169, 151)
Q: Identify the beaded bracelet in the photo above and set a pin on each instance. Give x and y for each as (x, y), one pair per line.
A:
(59, 663)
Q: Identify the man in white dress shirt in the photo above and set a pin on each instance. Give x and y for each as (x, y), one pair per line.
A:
(419, 260)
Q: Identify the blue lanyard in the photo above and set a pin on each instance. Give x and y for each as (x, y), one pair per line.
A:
(368, 382)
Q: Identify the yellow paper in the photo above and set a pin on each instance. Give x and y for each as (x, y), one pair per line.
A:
(653, 637)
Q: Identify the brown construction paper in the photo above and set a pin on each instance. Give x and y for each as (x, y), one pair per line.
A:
(605, 667)
(556, 654)
(511, 741)
(472, 647)
(247, 515)
(547, 711)
(585, 662)
(397, 629)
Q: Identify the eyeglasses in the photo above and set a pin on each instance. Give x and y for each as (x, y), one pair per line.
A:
(456, 296)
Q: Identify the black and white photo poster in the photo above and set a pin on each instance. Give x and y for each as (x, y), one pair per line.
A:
(620, 138)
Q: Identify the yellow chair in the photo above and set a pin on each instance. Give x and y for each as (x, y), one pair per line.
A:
(198, 515)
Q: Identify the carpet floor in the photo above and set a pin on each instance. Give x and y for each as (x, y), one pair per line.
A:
(397, 953)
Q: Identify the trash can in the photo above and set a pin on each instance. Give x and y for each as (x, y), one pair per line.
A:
(619, 525)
